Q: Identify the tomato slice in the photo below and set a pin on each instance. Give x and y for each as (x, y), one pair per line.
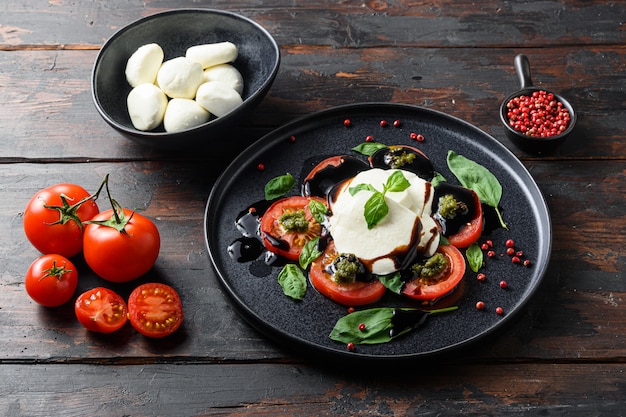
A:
(155, 309)
(283, 242)
(445, 284)
(101, 310)
(466, 228)
(353, 294)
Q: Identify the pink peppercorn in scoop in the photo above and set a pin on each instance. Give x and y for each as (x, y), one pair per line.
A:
(536, 120)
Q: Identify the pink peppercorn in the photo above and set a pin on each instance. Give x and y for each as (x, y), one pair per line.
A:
(539, 114)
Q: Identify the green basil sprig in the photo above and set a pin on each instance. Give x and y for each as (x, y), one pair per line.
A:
(478, 178)
(393, 282)
(375, 207)
(292, 281)
(368, 148)
(279, 186)
(378, 326)
(474, 257)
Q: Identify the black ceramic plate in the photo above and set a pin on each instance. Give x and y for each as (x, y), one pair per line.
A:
(305, 325)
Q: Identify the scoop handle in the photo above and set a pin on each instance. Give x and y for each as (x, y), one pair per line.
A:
(522, 68)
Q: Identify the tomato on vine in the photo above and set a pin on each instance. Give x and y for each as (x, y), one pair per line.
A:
(54, 218)
(119, 244)
(51, 280)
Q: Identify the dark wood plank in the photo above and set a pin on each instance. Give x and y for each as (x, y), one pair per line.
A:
(292, 390)
(52, 115)
(395, 23)
(579, 315)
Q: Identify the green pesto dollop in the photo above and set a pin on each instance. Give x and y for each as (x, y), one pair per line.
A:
(294, 221)
(346, 267)
(432, 268)
(449, 207)
(398, 159)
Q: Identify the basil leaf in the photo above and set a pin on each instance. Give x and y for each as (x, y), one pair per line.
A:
(279, 186)
(443, 240)
(361, 187)
(473, 175)
(378, 324)
(474, 257)
(375, 209)
(392, 282)
(396, 182)
(318, 211)
(437, 179)
(309, 253)
(293, 281)
(368, 148)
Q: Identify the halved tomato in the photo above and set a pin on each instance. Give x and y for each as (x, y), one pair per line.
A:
(440, 286)
(155, 309)
(352, 294)
(288, 225)
(101, 310)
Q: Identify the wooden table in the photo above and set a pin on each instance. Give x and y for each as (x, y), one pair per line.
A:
(564, 356)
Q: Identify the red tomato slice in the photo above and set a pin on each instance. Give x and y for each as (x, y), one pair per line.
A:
(353, 294)
(471, 232)
(101, 310)
(283, 242)
(155, 310)
(446, 284)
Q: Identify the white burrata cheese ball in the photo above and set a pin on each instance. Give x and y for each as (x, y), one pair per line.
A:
(143, 65)
(225, 74)
(211, 54)
(407, 229)
(180, 77)
(182, 114)
(146, 106)
(218, 98)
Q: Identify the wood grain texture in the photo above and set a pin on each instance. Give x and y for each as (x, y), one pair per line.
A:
(564, 356)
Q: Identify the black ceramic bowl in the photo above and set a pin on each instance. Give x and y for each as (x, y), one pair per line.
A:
(525, 142)
(176, 30)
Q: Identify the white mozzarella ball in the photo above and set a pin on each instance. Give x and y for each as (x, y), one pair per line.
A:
(146, 106)
(212, 54)
(180, 77)
(218, 98)
(182, 113)
(226, 74)
(143, 65)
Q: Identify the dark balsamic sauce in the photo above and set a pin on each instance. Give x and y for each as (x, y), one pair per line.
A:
(326, 178)
(420, 165)
(404, 320)
(468, 197)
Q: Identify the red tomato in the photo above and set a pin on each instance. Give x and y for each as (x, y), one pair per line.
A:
(53, 219)
(155, 310)
(51, 280)
(350, 294)
(471, 232)
(445, 284)
(281, 241)
(120, 251)
(101, 310)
